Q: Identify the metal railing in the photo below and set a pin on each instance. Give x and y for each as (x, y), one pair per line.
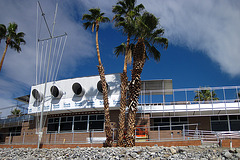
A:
(212, 136)
(186, 96)
(188, 100)
(154, 133)
(15, 121)
(180, 132)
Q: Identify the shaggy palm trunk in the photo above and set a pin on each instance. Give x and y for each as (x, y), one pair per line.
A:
(122, 109)
(135, 88)
(123, 102)
(108, 130)
(3, 56)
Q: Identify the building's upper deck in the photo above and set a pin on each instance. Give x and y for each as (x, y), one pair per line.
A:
(157, 97)
(191, 102)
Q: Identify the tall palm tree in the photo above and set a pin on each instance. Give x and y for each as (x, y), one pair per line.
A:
(125, 13)
(13, 39)
(93, 20)
(3, 31)
(148, 35)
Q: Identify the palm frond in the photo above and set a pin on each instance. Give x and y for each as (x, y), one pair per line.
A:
(105, 19)
(3, 31)
(14, 39)
(117, 9)
(95, 12)
(120, 50)
(162, 41)
(87, 17)
(87, 25)
(94, 18)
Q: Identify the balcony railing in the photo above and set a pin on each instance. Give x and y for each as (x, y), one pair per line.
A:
(189, 102)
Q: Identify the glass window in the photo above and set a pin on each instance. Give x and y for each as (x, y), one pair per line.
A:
(50, 120)
(63, 119)
(223, 117)
(53, 124)
(175, 119)
(56, 119)
(96, 122)
(77, 118)
(84, 118)
(219, 126)
(96, 125)
(80, 126)
(15, 131)
(157, 120)
(165, 120)
(100, 117)
(81, 123)
(66, 126)
(69, 119)
(214, 118)
(183, 119)
(92, 117)
(53, 127)
(235, 125)
(233, 117)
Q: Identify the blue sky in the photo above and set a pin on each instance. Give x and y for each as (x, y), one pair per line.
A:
(204, 43)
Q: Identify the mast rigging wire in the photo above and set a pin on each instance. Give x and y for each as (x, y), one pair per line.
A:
(47, 63)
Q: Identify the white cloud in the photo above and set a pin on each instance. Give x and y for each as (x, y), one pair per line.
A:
(212, 27)
(18, 72)
(209, 26)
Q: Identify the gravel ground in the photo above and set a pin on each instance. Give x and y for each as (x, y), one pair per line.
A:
(119, 153)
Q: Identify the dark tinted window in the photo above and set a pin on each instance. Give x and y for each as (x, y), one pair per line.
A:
(80, 126)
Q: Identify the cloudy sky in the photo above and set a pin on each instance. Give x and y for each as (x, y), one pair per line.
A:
(204, 43)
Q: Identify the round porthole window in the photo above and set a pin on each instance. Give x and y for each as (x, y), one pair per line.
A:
(37, 95)
(78, 89)
(56, 92)
(99, 86)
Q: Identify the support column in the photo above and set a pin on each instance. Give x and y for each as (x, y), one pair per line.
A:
(229, 124)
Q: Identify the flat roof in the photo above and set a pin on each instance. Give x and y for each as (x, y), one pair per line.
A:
(157, 87)
(24, 99)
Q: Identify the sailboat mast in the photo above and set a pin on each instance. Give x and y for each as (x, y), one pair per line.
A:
(45, 85)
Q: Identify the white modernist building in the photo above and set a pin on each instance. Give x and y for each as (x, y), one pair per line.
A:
(74, 95)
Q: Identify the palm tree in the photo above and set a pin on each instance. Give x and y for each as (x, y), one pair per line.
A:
(125, 13)
(93, 20)
(3, 31)
(13, 39)
(16, 112)
(205, 94)
(148, 35)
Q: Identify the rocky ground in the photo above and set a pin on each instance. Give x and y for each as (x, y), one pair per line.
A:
(118, 153)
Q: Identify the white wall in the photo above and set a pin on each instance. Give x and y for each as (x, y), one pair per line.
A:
(91, 100)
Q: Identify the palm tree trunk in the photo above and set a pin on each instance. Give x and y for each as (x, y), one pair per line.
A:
(122, 109)
(135, 88)
(3, 56)
(108, 130)
(97, 45)
(126, 59)
(123, 103)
